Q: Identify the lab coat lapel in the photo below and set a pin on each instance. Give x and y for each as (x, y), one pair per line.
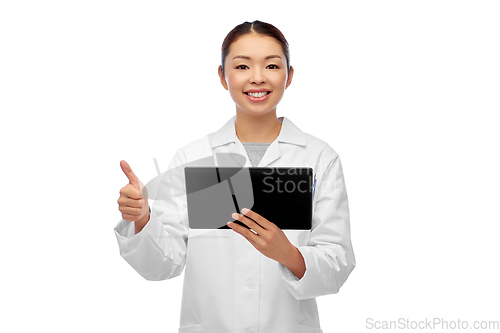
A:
(289, 133)
(272, 153)
(237, 150)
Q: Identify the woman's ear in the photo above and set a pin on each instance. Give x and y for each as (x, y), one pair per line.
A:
(222, 78)
(290, 76)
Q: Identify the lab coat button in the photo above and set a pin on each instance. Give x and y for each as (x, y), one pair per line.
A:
(251, 284)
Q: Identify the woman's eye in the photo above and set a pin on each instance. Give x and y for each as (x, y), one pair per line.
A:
(240, 67)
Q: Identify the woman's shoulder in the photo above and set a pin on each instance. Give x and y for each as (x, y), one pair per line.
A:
(320, 145)
(198, 151)
(312, 142)
(197, 147)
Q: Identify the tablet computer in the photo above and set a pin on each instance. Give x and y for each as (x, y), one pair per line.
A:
(282, 195)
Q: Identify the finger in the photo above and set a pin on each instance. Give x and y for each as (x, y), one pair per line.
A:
(251, 222)
(245, 232)
(248, 222)
(130, 202)
(131, 211)
(130, 174)
(130, 218)
(261, 221)
(131, 192)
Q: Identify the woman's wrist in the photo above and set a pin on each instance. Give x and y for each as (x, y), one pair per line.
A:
(139, 225)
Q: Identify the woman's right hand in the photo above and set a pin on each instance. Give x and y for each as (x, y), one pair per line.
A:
(133, 200)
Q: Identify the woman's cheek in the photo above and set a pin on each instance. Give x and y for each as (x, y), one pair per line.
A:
(234, 79)
(283, 79)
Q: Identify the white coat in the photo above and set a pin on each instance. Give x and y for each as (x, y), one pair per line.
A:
(229, 286)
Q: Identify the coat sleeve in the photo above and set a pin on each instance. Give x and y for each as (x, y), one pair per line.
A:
(329, 255)
(158, 251)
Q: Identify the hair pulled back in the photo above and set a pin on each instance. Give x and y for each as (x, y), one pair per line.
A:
(259, 27)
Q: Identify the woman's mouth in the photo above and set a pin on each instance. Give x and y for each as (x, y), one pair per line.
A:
(257, 97)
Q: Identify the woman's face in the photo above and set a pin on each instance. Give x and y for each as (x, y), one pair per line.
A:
(247, 69)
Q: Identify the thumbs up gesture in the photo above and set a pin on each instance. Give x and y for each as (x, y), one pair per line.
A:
(133, 200)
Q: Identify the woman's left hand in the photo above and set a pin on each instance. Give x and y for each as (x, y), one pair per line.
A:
(270, 240)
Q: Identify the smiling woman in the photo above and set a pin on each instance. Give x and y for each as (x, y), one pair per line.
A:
(255, 68)
(259, 278)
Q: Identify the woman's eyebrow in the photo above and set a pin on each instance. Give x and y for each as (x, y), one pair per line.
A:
(268, 57)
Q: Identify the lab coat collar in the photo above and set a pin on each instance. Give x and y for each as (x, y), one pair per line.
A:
(289, 133)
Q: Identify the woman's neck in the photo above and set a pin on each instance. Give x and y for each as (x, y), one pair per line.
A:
(264, 128)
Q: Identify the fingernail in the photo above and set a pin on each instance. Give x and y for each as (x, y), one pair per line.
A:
(235, 216)
(244, 210)
(230, 224)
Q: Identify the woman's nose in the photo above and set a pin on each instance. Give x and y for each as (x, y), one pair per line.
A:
(258, 76)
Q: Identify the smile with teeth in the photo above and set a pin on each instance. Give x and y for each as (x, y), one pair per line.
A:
(259, 94)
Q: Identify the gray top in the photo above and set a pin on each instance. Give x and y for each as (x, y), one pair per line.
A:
(255, 151)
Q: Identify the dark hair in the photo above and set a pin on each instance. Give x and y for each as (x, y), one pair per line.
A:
(260, 28)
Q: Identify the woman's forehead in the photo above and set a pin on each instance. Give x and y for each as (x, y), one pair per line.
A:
(252, 45)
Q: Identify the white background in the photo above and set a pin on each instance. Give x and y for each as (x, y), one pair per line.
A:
(407, 92)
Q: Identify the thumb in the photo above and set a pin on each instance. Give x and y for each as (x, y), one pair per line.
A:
(130, 174)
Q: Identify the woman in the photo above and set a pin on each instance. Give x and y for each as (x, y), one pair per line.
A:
(237, 280)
